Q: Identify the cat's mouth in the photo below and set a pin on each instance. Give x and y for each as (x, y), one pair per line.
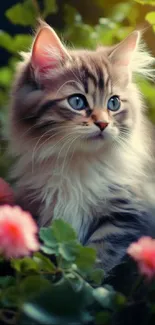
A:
(96, 136)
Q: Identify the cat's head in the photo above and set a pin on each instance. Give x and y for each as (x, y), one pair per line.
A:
(66, 100)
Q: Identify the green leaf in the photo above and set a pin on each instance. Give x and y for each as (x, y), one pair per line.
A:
(104, 297)
(5, 76)
(10, 297)
(96, 276)
(25, 265)
(6, 281)
(50, 7)
(61, 303)
(6, 41)
(150, 17)
(26, 320)
(70, 14)
(48, 250)
(121, 11)
(102, 317)
(68, 250)
(46, 235)
(22, 42)
(15, 44)
(86, 36)
(86, 258)
(62, 231)
(36, 313)
(105, 31)
(60, 238)
(44, 263)
(32, 286)
(22, 13)
(119, 300)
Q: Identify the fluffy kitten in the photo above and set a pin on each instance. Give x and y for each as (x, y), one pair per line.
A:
(82, 143)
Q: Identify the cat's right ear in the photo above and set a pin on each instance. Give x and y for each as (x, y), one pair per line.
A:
(123, 54)
(47, 52)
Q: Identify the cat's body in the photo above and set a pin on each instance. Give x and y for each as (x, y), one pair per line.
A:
(87, 166)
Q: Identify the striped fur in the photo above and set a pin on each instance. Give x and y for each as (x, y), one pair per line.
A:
(62, 170)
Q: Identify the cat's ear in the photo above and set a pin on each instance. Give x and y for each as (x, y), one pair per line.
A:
(47, 51)
(123, 53)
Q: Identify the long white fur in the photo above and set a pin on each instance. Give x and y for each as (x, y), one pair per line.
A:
(143, 62)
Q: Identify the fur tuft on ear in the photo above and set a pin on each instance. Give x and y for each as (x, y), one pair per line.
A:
(131, 54)
(47, 50)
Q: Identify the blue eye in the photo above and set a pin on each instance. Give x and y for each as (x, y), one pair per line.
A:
(78, 102)
(114, 103)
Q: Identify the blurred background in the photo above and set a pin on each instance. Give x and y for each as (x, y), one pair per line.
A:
(81, 23)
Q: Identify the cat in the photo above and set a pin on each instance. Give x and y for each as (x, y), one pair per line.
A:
(82, 142)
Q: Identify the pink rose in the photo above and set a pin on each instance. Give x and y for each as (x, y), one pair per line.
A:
(143, 252)
(17, 232)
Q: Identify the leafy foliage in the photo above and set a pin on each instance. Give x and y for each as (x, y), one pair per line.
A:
(59, 292)
(61, 288)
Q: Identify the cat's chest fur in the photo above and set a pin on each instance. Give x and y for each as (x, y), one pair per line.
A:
(79, 193)
(75, 198)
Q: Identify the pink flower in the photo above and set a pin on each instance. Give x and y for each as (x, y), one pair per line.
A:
(17, 232)
(143, 252)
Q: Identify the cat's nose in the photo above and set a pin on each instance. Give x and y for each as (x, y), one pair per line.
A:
(101, 125)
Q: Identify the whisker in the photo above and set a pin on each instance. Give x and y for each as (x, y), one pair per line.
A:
(53, 129)
(35, 147)
(69, 81)
(79, 81)
(63, 147)
(122, 142)
(73, 140)
(52, 137)
(23, 134)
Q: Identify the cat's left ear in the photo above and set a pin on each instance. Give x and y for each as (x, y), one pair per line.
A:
(123, 53)
(47, 50)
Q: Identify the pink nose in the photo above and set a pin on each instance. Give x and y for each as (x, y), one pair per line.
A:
(101, 125)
